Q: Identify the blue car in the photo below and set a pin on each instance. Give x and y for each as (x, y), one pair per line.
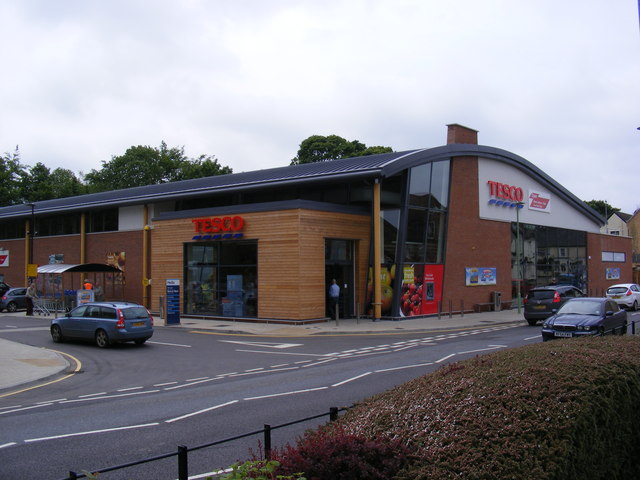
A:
(585, 316)
(104, 323)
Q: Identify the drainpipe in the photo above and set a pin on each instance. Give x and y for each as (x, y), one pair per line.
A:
(377, 248)
(83, 237)
(145, 257)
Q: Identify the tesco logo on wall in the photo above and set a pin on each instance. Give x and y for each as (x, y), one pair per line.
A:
(505, 195)
(216, 228)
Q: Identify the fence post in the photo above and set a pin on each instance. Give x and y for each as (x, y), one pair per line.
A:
(633, 328)
(333, 414)
(462, 308)
(183, 463)
(267, 441)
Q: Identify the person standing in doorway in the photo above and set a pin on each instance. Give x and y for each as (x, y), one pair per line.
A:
(31, 294)
(334, 296)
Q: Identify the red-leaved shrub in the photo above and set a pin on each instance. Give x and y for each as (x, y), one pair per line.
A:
(333, 454)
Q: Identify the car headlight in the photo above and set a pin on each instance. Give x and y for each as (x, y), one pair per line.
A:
(548, 324)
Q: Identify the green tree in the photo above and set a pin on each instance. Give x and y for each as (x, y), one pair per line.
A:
(65, 183)
(11, 174)
(144, 165)
(318, 148)
(602, 207)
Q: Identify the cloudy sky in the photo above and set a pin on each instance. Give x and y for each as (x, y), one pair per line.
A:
(556, 82)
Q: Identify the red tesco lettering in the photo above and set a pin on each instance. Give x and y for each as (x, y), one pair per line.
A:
(218, 224)
(508, 192)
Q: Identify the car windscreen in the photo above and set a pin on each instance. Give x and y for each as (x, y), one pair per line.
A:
(540, 294)
(581, 307)
(616, 290)
(135, 312)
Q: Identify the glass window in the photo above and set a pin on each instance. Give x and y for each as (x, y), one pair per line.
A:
(416, 235)
(440, 185)
(221, 279)
(435, 237)
(420, 185)
(390, 223)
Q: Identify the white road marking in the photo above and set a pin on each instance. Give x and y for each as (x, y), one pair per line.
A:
(445, 358)
(264, 344)
(170, 344)
(8, 444)
(110, 396)
(205, 410)
(403, 367)
(77, 434)
(350, 379)
(129, 389)
(21, 409)
(92, 395)
(286, 393)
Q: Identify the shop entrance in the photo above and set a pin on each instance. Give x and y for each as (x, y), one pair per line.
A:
(339, 255)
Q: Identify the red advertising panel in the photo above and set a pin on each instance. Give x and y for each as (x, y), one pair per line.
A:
(421, 289)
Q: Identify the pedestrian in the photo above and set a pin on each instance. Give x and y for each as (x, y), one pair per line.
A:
(334, 296)
(31, 294)
(87, 285)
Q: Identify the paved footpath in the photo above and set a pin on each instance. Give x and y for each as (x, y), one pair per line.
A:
(21, 366)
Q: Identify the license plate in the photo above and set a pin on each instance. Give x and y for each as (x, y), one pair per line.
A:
(138, 324)
(563, 334)
(539, 307)
(615, 297)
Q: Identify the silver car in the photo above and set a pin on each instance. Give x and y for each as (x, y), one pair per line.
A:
(626, 295)
(104, 323)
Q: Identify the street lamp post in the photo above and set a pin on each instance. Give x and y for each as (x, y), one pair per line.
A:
(519, 205)
(32, 227)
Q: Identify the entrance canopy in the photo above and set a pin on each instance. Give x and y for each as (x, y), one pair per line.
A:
(57, 268)
(62, 280)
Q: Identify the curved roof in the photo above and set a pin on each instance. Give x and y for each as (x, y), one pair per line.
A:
(373, 166)
(81, 267)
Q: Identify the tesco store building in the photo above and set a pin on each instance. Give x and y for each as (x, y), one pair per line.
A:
(460, 227)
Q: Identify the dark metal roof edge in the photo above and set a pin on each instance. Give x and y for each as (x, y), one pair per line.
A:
(264, 207)
(459, 150)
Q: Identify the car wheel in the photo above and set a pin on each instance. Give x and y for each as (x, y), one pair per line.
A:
(56, 334)
(623, 329)
(140, 341)
(12, 307)
(635, 306)
(532, 323)
(102, 339)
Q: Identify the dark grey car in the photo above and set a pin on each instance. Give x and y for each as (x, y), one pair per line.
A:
(14, 299)
(542, 302)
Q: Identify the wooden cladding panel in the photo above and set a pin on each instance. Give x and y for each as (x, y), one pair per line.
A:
(291, 251)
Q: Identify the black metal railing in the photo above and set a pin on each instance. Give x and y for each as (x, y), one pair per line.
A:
(182, 452)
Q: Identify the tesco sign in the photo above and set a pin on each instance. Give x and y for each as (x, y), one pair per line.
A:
(224, 227)
(505, 192)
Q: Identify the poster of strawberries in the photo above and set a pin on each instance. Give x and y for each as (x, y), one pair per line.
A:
(421, 289)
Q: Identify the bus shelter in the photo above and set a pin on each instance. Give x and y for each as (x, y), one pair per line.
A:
(58, 284)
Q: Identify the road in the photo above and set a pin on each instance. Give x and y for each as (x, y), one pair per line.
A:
(192, 388)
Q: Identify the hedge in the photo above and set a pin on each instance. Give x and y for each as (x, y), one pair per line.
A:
(565, 409)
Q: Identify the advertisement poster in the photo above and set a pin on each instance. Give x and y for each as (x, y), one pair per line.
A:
(421, 290)
(173, 301)
(4, 258)
(539, 201)
(612, 273)
(477, 276)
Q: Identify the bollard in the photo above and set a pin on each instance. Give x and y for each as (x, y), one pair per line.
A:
(462, 308)
(267, 442)
(439, 309)
(333, 414)
(633, 328)
(450, 308)
(183, 463)
(337, 314)
(73, 475)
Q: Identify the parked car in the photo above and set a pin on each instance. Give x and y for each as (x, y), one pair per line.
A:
(13, 299)
(4, 287)
(104, 323)
(542, 302)
(626, 295)
(585, 316)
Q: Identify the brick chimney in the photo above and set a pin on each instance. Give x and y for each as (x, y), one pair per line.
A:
(459, 134)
